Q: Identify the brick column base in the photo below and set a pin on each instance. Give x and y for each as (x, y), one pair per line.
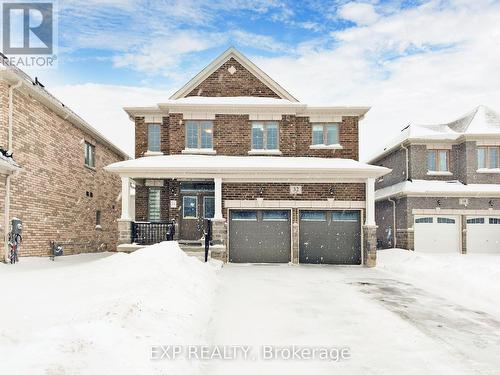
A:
(219, 239)
(124, 231)
(405, 239)
(370, 245)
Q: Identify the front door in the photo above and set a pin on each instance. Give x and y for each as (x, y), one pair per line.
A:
(197, 204)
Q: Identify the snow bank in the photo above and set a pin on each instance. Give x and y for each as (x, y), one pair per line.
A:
(102, 316)
(472, 280)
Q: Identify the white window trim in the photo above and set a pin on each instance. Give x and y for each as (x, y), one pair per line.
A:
(264, 152)
(324, 146)
(335, 146)
(188, 150)
(153, 153)
(439, 173)
(488, 170)
(199, 151)
(265, 149)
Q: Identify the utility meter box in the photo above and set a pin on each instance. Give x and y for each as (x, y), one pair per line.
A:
(17, 226)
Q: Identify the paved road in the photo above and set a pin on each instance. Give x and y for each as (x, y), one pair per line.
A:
(388, 326)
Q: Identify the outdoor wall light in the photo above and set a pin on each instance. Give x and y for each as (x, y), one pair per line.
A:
(490, 203)
(438, 202)
(332, 191)
(260, 191)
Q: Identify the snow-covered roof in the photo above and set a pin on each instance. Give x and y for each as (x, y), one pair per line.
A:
(479, 122)
(265, 168)
(437, 188)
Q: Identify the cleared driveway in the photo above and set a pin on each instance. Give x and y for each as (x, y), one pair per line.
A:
(390, 327)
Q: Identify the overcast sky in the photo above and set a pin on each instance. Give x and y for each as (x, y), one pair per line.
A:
(411, 61)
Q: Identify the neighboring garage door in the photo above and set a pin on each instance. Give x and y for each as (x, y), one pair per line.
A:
(330, 237)
(483, 234)
(259, 236)
(437, 233)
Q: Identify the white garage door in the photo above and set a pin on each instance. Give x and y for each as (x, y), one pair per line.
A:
(437, 233)
(483, 234)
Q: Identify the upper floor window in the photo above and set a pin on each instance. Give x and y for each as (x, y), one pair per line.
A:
(265, 136)
(438, 160)
(89, 155)
(488, 157)
(154, 131)
(325, 134)
(199, 134)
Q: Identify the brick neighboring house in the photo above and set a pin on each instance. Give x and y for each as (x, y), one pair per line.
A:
(279, 179)
(62, 193)
(443, 194)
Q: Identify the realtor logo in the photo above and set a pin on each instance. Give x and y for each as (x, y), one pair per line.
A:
(28, 28)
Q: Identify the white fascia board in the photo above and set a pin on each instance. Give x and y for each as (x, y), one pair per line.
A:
(439, 194)
(245, 62)
(334, 111)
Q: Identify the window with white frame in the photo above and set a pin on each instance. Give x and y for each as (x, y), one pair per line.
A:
(199, 135)
(488, 157)
(438, 160)
(154, 133)
(89, 155)
(265, 135)
(154, 208)
(325, 134)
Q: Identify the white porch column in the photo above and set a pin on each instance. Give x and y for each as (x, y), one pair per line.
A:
(370, 202)
(218, 198)
(126, 199)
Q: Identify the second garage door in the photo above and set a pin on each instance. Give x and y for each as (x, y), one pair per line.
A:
(259, 236)
(437, 233)
(330, 237)
(483, 234)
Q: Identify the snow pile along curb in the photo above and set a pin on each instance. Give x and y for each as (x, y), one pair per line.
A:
(103, 316)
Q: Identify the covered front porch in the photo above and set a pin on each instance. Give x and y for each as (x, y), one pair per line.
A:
(183, 192)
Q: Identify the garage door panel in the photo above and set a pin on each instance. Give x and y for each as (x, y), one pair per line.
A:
(330, 237)
(258, 236)
(483, 234)
(437, 233)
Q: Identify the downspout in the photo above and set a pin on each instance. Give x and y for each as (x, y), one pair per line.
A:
(394, 222)
(7, 180)
(407, 162)
(11, 110)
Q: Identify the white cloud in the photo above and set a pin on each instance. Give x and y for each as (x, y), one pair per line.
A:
(102, 107)
(359, 13)
(426, 64)
(423, 65)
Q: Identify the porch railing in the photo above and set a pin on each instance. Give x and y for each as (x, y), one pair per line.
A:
(146, 233)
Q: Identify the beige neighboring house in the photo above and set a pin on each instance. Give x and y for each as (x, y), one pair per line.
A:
(62, 192)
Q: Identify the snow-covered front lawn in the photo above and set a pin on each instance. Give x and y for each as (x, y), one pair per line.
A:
(415, 314)
(101, 313)
(472, 280)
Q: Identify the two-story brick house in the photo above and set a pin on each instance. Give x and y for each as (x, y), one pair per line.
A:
(279, 179)
(61, 192)
(443, 194)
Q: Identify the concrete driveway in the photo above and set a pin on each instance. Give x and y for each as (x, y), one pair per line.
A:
(388, 326)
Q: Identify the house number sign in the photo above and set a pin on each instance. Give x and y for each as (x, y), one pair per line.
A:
(295, 189)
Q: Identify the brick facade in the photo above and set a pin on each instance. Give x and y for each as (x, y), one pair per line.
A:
(232, 136)
(56, 195)
(240, 83)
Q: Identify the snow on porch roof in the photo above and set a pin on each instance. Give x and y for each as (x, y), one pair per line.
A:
(245, 167)
(437, 189)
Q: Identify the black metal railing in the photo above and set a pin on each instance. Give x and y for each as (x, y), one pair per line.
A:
(146, 233)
